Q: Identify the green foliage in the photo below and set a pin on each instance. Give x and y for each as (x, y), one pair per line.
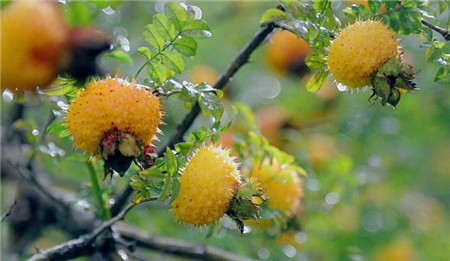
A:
(120, 56)
(273, 15)
(171, 36)
(317, 81)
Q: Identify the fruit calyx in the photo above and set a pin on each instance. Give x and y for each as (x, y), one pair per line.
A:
(247, 202)
(119, 149)
(392, 80)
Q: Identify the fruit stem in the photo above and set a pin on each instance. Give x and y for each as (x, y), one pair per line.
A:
(104, 213)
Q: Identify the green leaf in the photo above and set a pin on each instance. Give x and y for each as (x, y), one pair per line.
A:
(394, 21)
(374, 5)
(138, 198)
(164, 27)
(165, 194)
(171, 162)
(176, 13)
(56, 127)
(443, 76)
(197, 29)
(199, 136)
(189, 93)
(442, 7)
(173, 61)
(184, 147)
(153, 38)
(350, 13)
(60, 90)
(152, 172)
(389, 4)
(79, 14)
(145, 51)
(120, 56)
(175, 189)
(315, 61)
(137, 183)
(273, 15)
(410, 21)
(157, 72)
(248, 115)
(317, 81)
(219, 93)
(410, 3)
(321, 5)
(186, 46)
(210, 103)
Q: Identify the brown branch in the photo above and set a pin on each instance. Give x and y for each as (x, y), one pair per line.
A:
(80, 246)
(177, 247)
(442, 31)
(8, 211)
(241, 59)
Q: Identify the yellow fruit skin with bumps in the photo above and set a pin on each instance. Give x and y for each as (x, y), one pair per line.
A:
(33, 35)
(112, 104)
(283, 187)
(207, 186)
(359, 51)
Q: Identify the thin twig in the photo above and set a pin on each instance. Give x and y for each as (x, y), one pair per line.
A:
(177, 247)
(442, 31)
(241, 59)
(80, 246)
(32, 179)
(8, 212)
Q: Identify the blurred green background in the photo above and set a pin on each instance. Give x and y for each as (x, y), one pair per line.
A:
(378, 179)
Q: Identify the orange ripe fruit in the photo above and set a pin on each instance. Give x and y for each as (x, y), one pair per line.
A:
(286, 53)
(33, 35)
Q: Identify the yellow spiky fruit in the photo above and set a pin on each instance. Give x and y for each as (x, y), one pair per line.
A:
(208, 184)
(359, 51)
(282, 185)
(113, 105)
(33, 35)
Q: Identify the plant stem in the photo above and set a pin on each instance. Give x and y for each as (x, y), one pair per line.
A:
(154, 56)
(104, 213)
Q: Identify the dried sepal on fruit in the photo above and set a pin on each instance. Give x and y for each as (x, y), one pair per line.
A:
(117, 119)
(363, 55)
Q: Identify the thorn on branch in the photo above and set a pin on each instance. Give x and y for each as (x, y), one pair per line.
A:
(8, 211)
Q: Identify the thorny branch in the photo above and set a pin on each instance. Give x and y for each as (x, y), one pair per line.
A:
(442, 31)
(8, 212)
(241, 59)
(176, 247)
(77, 247)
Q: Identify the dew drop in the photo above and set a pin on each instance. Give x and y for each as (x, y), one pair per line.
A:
(289, 251)
(207, 34)
(263, 253)
(341, 87)
(108, 10)
(300, 237)
(332, 198)
(8, 96)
